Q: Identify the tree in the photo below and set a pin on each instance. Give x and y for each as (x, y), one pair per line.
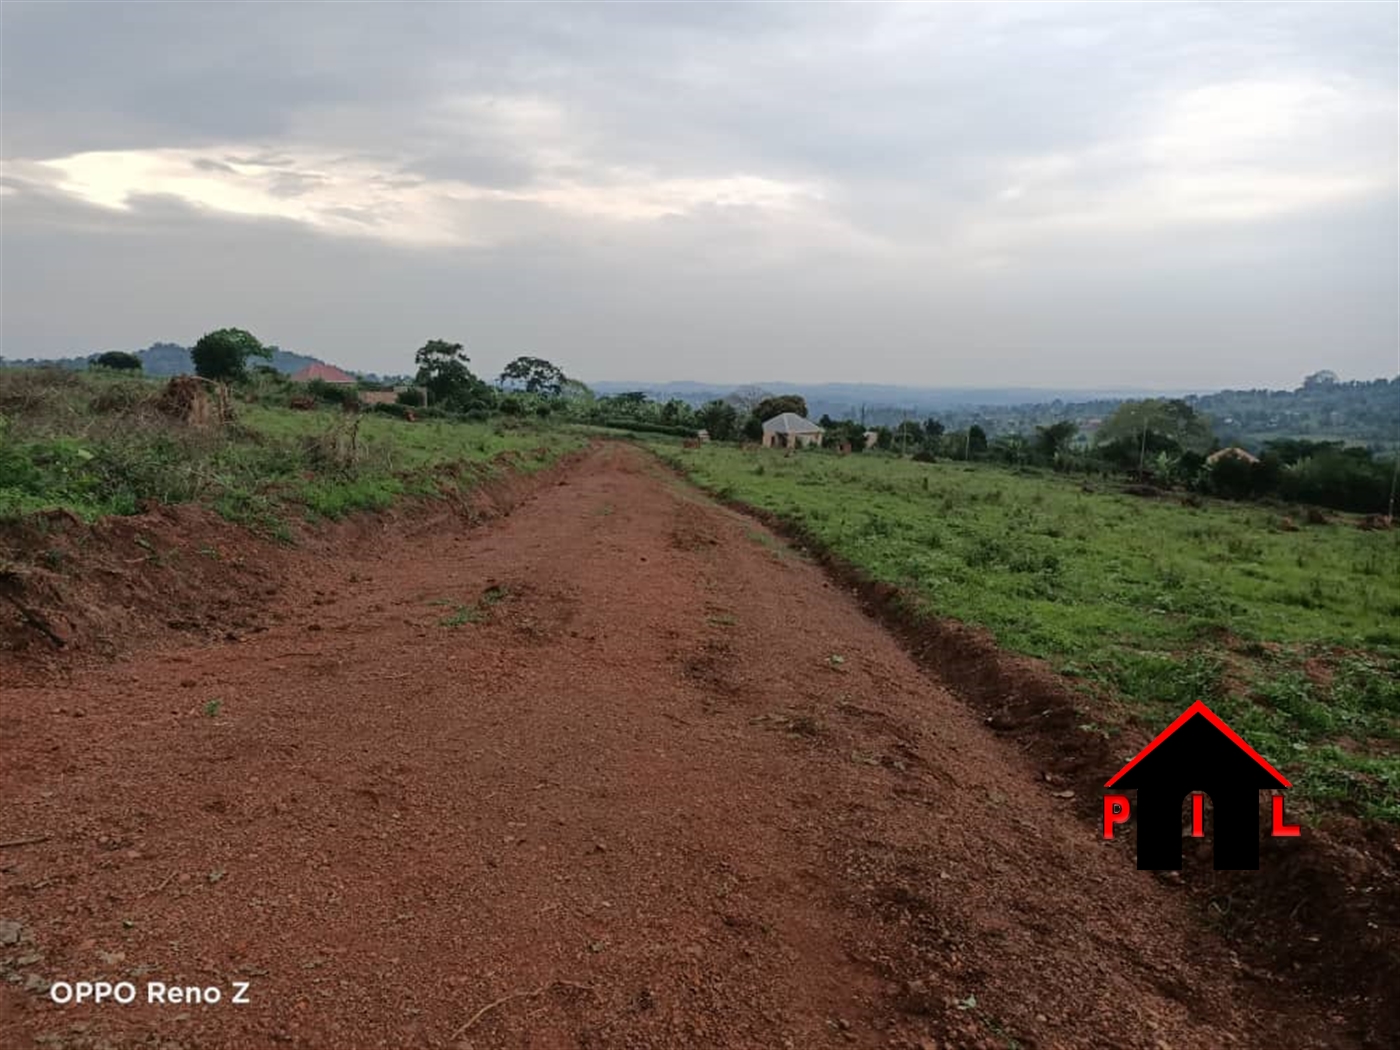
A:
(675, 412)
(1174, 422)
(223, 355)
(119, 360)
(719, 419)
(576, 391)
(1012, 448)
(976, 441)
(777, 405)
(1051, 441)
(1324, 378)
(933, 430)
(745, 398)
(443, 372)
(535, 374)
(908, 434)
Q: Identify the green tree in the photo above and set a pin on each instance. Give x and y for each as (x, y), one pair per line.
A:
(933, 430)
(976, 441)
(1052, 441)
(908, 435)
(1173, 422)
(443, 372)
(118, 360)
(223, 355)
(576, 392)
(535, 374)
(675, 413)
(777, 405)
(719, 419)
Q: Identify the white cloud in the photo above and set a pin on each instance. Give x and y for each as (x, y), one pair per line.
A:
(1231, 152)
(347, 196)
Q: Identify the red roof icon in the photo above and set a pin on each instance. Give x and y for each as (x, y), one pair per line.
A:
(1199, 708)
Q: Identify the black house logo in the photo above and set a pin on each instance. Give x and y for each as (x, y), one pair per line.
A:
(1198, 754)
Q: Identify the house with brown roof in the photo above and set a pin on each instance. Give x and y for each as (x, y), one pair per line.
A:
(325, 373)
(1233, 452)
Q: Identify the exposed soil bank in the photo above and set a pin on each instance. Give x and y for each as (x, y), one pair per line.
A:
(70, 590)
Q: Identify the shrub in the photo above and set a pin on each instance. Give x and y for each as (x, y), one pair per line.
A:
(119, 360)
(332, 393)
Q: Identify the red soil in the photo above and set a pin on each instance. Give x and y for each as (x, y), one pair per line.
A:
(619, 769)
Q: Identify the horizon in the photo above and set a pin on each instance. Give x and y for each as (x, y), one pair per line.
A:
(1162, 196)
(1110, 392)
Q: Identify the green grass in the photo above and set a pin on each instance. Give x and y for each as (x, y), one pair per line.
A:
(1293, 637)
(95, 444)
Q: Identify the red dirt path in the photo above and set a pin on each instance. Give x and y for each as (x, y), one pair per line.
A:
(662, 784)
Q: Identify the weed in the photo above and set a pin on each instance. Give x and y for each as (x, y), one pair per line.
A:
(463, 614)
(213, 707)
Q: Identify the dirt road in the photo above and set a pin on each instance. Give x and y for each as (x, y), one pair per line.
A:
(617, 770)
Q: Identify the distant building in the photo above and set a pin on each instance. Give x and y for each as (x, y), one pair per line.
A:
(1233, 452)
(325, 373)
(789, 430)
(378, 397)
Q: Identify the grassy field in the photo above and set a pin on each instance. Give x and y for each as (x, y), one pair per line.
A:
(1292, 636)
(95, 444)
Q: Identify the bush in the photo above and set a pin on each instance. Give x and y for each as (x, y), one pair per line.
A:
(332, 393)
(119, 360)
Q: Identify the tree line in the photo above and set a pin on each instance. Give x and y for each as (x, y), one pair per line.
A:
(1160, 441)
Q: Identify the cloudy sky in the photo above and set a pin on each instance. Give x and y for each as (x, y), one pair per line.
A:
(1171, 196)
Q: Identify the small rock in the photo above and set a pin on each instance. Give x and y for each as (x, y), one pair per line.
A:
(9, 931)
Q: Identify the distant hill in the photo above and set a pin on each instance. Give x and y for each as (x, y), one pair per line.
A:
(166, 359)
